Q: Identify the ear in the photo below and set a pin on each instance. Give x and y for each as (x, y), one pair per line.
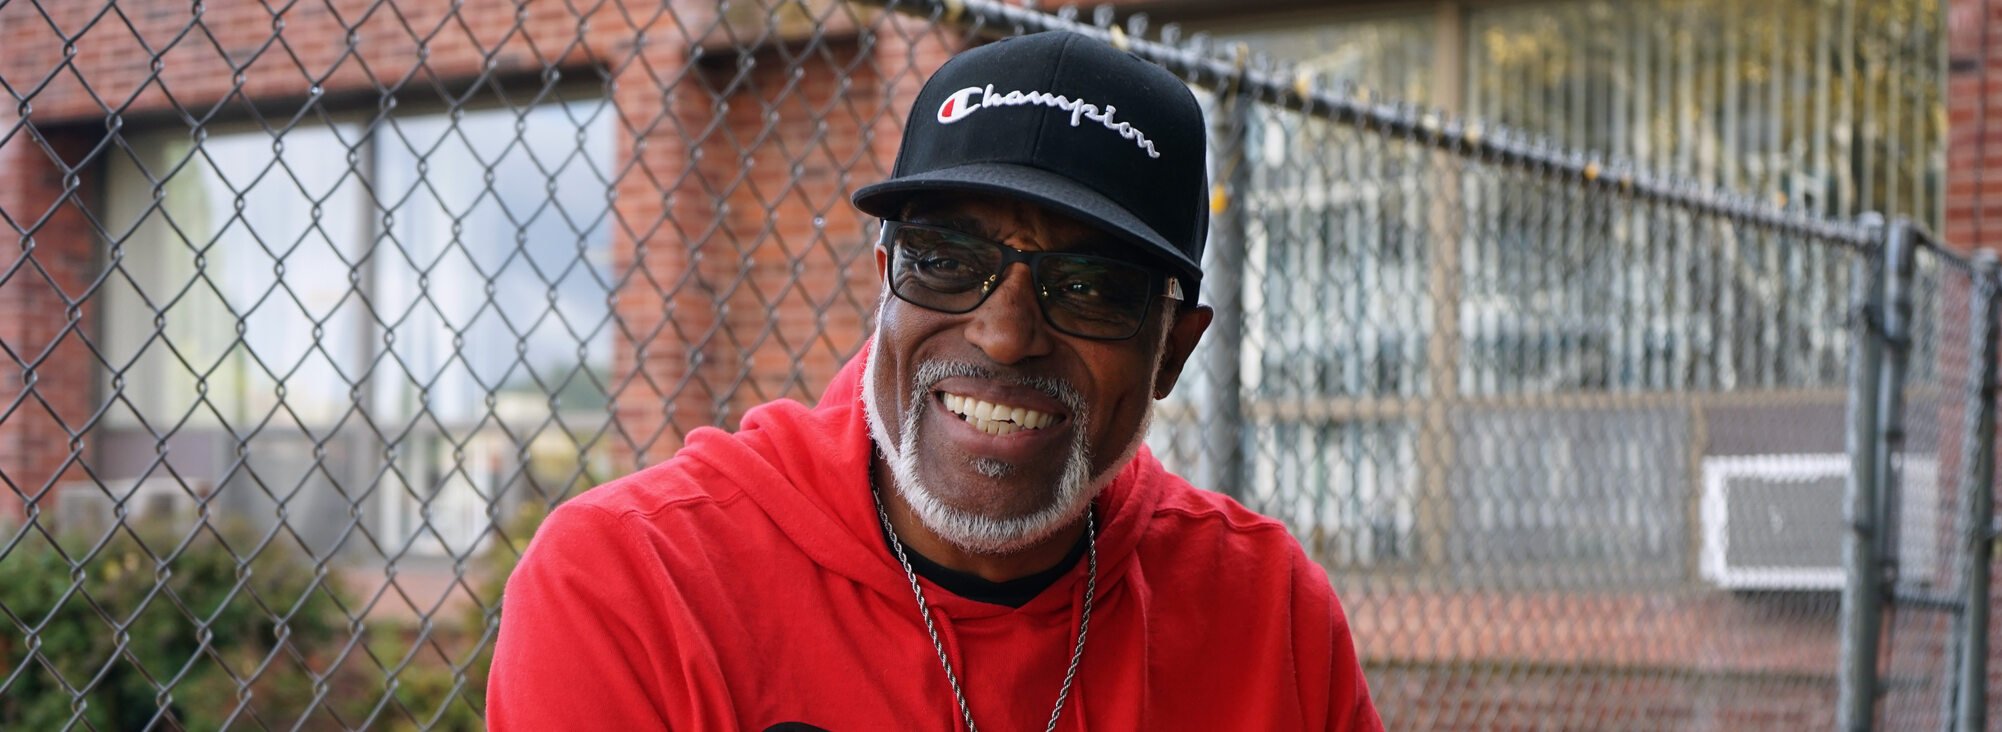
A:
(882, 264)
(1183, 334)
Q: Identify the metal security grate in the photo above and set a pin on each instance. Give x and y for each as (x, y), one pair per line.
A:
(1608, 406)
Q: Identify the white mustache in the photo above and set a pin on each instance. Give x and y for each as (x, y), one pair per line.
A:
(929, 373)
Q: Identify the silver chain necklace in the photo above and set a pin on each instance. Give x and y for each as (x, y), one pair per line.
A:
(924, 609)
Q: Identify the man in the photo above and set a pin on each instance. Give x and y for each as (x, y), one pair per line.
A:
(967, 531)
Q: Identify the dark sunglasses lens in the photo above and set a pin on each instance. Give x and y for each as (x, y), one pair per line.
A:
(1094, 297)
(939, 269)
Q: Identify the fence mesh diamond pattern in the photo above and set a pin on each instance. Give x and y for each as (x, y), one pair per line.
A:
(309, 312)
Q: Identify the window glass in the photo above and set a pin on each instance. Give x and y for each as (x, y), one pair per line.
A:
(230, 263)
(493, 285)
(321, 298)
(494, 241)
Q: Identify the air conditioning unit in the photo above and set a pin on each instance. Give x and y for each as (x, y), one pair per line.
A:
(1775, 522)
(91, 507)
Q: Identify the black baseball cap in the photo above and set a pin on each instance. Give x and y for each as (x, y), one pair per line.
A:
(1069, 122)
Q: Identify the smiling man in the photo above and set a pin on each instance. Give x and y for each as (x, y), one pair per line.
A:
(967, 531)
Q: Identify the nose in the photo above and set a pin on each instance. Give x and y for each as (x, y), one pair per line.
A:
(1009, 326)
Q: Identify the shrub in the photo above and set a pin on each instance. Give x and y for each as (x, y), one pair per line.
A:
(149, 629)
(157, 629)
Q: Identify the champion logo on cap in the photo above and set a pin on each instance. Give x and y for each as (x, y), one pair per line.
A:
(963, 103)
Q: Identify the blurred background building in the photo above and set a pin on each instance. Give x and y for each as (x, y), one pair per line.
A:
(369, 276)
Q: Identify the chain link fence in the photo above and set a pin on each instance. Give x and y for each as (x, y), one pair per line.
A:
(1937, 492)
(311, 310)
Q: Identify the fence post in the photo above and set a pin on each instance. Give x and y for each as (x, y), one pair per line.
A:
(1977, 490)
(1899, 253)
(1889, 440)
(1863, 587)
(1223, 435)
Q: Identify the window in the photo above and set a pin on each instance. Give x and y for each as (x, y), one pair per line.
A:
(381, 310)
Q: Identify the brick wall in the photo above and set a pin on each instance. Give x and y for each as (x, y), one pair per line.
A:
(704, 245)
(1974, 124)
(85, 72)
(46, 267)
(1503, 696)
(759, 154)
(1974, 180)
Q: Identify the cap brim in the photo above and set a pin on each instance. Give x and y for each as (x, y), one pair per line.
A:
(886, 200)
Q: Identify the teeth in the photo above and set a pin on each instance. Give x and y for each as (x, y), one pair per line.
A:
(997, 419)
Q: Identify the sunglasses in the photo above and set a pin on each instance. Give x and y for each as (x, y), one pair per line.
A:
(1080, 294)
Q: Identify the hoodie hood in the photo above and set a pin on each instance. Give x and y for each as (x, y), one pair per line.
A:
(745, 583)
(808, 470)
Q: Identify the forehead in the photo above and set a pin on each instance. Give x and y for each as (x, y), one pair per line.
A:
(1022, 224)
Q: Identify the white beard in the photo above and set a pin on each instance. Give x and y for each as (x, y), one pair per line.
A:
(974, 533)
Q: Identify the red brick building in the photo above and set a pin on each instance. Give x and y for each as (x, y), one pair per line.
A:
(1973, 204)
(731, 271)
(703, 240)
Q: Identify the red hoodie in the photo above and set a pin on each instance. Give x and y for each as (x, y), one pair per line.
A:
(745, 583)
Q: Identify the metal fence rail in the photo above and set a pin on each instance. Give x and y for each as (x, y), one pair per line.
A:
(310, 311)
(1936, 488)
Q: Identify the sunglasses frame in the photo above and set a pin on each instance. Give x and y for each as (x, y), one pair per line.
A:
(1159, 284)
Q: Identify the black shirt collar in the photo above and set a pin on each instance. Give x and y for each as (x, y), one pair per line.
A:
(1011, 593)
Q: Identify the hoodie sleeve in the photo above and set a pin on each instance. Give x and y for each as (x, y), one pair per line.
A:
(1327, 654)
(579, 646)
